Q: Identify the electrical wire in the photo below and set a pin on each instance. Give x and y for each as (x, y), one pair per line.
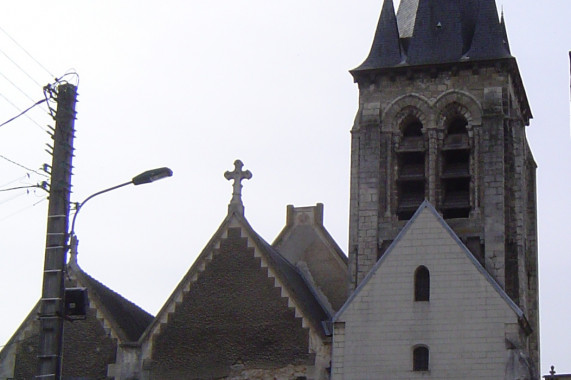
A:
(25, 51)
(12, 198)
(19, 179)
(17, 88)
(23, 167)
(24, 187)
(21, 69)
(23, 209)
(23, 112)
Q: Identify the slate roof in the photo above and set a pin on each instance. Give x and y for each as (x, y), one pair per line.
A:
(292, 278)
(128, 319)
(437, 31)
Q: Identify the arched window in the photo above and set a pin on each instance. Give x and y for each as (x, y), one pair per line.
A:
(420, 358)
(455, 176)
(421, 284)
(411, 168)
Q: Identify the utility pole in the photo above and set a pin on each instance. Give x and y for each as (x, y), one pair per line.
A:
(53, 288)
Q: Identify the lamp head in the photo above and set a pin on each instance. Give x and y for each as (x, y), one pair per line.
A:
(151, 176)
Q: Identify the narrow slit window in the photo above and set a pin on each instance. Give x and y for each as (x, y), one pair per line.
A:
(421, 284)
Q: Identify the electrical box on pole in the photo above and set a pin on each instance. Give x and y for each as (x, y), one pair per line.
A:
(52, 307)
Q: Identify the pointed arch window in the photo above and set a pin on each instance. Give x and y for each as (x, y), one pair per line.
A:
(420, 358)
(421, 284)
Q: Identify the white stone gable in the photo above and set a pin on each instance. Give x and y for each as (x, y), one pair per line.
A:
(464, 324)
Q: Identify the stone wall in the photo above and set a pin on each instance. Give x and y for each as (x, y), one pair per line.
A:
(501, 226)
(232, 319)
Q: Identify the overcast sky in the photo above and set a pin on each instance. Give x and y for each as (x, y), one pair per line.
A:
(193, 85)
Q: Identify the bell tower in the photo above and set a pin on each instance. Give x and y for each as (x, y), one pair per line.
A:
(442, 117)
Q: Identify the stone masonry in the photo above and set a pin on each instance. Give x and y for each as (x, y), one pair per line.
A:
(500, 228)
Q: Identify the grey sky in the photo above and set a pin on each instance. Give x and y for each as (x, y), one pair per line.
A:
(193, 85)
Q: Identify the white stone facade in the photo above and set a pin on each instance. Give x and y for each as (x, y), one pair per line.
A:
(466, 325)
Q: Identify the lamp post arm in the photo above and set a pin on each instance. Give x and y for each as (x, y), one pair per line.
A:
(80, 204)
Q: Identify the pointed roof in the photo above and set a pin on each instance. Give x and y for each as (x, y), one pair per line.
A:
(505, 33)
(306, 244)
(426, 206)
(288, 277)
(436, 31)
(386, 50)
(128, 320)
(239, 302)
(490, 38)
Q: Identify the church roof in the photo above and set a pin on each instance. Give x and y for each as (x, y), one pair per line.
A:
(128, 319)
(307, 245)
(437, 31)
(386, 49)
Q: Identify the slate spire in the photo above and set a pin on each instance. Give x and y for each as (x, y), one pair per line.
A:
(386, 49)
(490, 39)
(426, 32)
(437, 35)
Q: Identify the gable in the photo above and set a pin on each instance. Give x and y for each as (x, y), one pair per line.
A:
(426, 238)
(90, 346)
(233, 310)
(306, 244)
(466, 318)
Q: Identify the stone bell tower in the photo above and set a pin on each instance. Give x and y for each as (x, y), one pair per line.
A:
(442, 117)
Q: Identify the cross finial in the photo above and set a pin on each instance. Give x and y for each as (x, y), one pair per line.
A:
(237, 176)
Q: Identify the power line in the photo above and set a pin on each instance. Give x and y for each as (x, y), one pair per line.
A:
(16, 180)
(23, 112)
(12, 198)
(22, 166)
(24, 187)
(21, 69)
(23, 209)
(25, 51)
(18, 88)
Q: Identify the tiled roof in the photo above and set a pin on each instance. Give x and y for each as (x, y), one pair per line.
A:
(294, 281)
(129, 318)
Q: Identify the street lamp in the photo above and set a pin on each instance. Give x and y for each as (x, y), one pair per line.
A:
(145, 177)
(78, 293)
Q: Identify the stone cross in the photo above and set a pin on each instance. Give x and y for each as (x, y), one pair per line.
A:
(237, 176)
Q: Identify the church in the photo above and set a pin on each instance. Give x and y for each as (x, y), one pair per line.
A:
(440, 278)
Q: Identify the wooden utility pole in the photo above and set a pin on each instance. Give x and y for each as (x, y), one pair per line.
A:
(53, 288)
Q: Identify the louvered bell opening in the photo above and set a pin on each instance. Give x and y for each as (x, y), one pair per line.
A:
(412, 143)
(411, 183)
(456, 164)
(410, 196)
(456, 141)
(456, 203)
(411, 166)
